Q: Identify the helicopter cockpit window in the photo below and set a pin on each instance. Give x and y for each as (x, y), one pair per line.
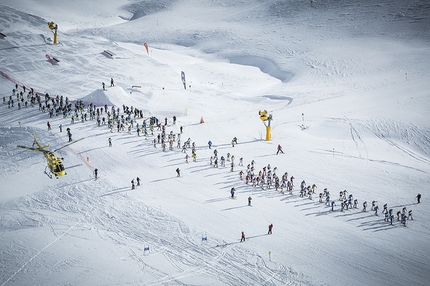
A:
(59, 168)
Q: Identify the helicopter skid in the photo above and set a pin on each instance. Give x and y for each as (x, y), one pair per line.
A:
(48, 173)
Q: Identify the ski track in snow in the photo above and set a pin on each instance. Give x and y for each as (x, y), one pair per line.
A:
(359, 143)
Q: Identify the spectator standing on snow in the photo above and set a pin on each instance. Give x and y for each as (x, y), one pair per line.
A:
(111, 82)
(419, 198)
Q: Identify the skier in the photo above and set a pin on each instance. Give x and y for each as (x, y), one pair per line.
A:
(403, 220)
(232, 192)
(104, 86)
(419, 198)
(111, 82)
(222, 161)
(387, 217)
(327, 200)
(96, 171)
(110, 142)
(355, 204)
(132, 184)
(138, 181)
(279, 149)
(174, 119)
(178, 172)
(373, 205)
(234, 141)
(69, 134)
(332, 205)
(49, 125)
(376, 210)
(249, 200)
(364, 206)
(61, 128)
(410, 215)
(210, 144)
(243, 237)
(270, 229)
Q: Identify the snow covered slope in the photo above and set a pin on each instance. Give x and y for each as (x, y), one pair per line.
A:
(346, 83)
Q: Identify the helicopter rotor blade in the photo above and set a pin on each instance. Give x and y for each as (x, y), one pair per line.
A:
(33, 149)
(68, 144)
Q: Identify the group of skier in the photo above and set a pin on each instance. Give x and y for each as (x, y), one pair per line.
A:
(266, 179)
(133, 186)
(221, 161)
(103, 115)
(243, 238)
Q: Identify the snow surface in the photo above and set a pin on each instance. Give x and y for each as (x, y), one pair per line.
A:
(347, 83)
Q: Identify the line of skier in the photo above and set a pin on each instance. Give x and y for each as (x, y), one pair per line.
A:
(266, 179)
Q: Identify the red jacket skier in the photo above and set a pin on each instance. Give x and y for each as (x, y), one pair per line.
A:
(270, 229)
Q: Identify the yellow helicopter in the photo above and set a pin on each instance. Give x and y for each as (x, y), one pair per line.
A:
(55, 164)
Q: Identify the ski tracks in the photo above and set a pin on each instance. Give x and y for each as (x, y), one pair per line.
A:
(359, 143)
(411, 134)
